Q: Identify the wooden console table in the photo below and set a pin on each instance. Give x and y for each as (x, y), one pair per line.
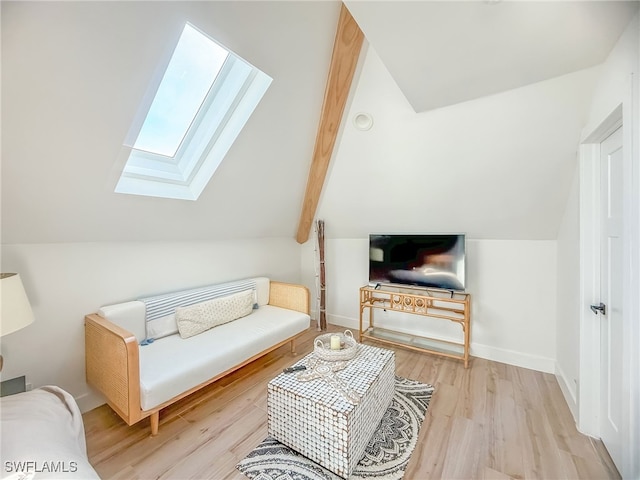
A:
(451, 306)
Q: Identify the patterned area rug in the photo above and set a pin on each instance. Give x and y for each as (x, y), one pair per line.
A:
(385, 458)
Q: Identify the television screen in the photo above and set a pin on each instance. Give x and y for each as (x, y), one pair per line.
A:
(436, 261)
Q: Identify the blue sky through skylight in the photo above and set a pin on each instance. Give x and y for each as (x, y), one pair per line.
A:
(192, 70)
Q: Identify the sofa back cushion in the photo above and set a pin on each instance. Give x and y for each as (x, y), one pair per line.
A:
(154, 317)
(159, 307)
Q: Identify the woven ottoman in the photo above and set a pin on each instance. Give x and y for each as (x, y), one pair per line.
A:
(316, 417)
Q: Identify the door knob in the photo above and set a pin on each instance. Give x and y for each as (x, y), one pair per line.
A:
(602, 308)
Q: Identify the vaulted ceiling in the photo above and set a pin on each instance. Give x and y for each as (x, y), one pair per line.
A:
(442, 53)
(477, 110)
(74, 75)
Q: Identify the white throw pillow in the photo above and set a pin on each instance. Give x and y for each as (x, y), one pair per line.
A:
(200, 317)
(162, 327)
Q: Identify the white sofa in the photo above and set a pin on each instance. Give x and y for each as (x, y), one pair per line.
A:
(139, 376)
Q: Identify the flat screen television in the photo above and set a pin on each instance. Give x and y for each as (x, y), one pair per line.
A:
(431, 261)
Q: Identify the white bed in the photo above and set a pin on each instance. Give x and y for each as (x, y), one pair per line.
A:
(42, 436)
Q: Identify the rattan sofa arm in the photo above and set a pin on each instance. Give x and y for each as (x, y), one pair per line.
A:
(289, 295)
(112, 365)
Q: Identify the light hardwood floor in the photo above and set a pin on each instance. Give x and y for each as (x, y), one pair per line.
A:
(488, 421)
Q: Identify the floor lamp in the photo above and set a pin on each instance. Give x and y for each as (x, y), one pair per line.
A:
(15, 310)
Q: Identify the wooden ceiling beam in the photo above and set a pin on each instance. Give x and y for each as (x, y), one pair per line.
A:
(346, 51)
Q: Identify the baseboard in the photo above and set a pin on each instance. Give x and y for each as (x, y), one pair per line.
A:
(89, 401)
(343, 321)
(569, 392)
(510, 357)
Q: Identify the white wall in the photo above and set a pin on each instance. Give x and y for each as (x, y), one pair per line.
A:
(568, 312)
(513, 288)
(618, 89)
(64, 282)
(614, 83)
(498, 167)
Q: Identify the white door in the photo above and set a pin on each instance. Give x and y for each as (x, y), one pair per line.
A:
(612, 421)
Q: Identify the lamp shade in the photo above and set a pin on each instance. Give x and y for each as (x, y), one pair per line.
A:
(15, 310)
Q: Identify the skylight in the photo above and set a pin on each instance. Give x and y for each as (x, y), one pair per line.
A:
(203, 101)
(193, 67)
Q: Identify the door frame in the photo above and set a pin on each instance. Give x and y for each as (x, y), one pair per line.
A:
(588, 395)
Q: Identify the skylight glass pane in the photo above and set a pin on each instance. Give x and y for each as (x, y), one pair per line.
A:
(192, 70)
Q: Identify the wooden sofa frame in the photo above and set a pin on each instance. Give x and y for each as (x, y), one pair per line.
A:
(113, 367)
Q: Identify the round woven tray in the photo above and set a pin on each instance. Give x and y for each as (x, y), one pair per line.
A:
(323, 350)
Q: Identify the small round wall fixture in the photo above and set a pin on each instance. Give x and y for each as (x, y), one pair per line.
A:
(363, 121)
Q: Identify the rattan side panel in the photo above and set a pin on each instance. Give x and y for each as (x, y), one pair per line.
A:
(288, 295)
(107, 358)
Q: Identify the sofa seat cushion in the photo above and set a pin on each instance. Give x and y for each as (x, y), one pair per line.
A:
(173, 365)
